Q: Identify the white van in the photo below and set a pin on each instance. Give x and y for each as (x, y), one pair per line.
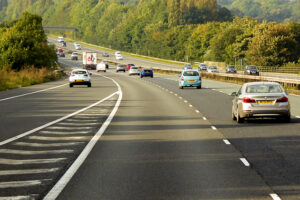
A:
(101, 67)
(60, 39)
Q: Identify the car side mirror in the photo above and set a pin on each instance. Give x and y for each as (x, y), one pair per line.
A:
(234, 94)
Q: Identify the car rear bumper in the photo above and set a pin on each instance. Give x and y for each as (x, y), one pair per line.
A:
(265, 112)
(190, 84)
(80, 83)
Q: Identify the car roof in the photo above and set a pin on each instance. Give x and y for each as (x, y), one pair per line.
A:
(260, 83)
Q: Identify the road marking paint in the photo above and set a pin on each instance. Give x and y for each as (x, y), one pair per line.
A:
(180, 97)
(31, 197)
(190, 105)
(29, 144)
(171, 92)
(197, 111)
(23, 152)
(245, 162)
(58, 138)
(27, 171)
(17, 184)
(68, 128)
(298, 116)
(22, 95)
(80, 120)
(63, 181)
(226, 142)
(30, 161)
(78, 124)
(86, 117)
(64, 133)
(56, 121)
(185, 101)
(213, 128)
(94, 114)
(175, 94)
(275, 196)
(204, 118)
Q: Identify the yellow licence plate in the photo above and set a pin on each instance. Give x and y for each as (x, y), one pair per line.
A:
(191, 80)
(78, 80)
(265, 102)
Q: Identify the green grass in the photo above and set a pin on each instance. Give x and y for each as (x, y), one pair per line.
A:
(11, 79)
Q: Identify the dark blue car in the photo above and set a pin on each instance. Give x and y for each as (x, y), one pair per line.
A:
(147, 72)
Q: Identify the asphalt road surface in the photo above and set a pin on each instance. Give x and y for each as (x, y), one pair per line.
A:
(162, 143)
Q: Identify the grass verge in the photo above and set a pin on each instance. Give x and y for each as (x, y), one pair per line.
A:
(11, 79)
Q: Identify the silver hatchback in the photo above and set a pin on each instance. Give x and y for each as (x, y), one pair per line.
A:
(260, 99)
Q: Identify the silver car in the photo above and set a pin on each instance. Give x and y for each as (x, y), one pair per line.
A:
(187, 66)
(121, 68)
(260, 99)
(134, 71)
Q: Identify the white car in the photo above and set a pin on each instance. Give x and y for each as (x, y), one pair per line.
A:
(134, 71)
(80, 77)
(77, 46)
(60, 39)
(212, 69)
(101, 66)
(119, 57)
(74, 56)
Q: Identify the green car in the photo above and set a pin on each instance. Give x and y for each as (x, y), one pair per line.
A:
(190, 78)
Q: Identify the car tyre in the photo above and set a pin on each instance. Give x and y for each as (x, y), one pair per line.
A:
(141, 76)
(89, 85)
(180, 87)
(233, 115)
(151, 76)
(104, 70)
(238, 118)
(71, 85)
(198, 87)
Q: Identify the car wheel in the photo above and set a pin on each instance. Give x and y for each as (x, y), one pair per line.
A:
(198, 87)
(71, 85)
(287, 118)
(233, 115)
(238, 118)
(141, 76)
(104, 70)
(89, 85)
(151, 76)
(180, 87)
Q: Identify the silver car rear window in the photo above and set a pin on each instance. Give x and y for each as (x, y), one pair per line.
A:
(263, 89)
(190, 73)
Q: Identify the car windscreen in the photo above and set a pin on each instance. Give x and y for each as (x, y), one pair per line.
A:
(133, 68)
(122, 66)
(79, 72)
(190, 73)
(213, 67)
(251, 67)
(265, 88)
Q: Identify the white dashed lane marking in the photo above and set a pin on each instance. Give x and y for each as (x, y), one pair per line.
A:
(226, 142)
(204, 118)
(245, 162)
(64, 133)
(185, 101)
(29, 144)
(213, 128)
(275, 196)
(23, 152)
(18, 184)
(31, 161)
(57, 138)
(197, 111)
(68, 128)
(27, 171)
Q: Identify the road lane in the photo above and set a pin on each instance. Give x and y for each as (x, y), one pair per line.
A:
(157, 147)
(270, 145)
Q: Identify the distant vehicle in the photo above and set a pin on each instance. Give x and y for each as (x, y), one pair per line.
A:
(187, 66)
(60, 39)
(146, 72)
(119, 57)
(80, 77)
(74, 56)
(77, 46)
(105, 54)
(60, 50)
(260, 99)
(212, 69)
(202, 67)
(117, 53)
(121, 68)
(230, 69)
(89, 60)
(61, 54)
(63, 44)
(101, 66)
(134, 71)
(129, 66)
(190, 78)
(251, 70)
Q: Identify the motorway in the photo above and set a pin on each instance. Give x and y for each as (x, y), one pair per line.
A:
(132, 138)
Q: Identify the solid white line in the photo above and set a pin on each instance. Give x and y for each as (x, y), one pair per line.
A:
(213, 128)
(227, 142)
(55, 121)
(63, 181)
(27, 171)
(29, 144)
(245, 162)
(204, 118)
(32, 161)
(275, 196)
(22, 95)
(23, 152)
